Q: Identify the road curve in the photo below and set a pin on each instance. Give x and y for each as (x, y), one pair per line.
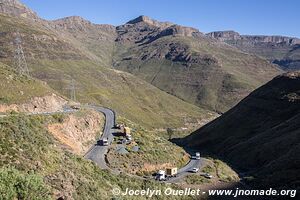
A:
(97, 152)
(194, 163)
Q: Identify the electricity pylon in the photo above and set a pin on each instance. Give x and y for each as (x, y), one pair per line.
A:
(72, 87)
(19, 57)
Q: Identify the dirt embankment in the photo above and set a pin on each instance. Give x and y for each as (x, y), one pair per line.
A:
(49, 103)
(78, 131)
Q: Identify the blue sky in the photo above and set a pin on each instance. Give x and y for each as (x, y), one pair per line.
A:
(260, 17)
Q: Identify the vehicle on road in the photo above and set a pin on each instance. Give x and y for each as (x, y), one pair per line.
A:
(172, 172)
(75, 107)
(161, 175)
(196, 156)
(194, 170)
(104, 142)
(207, 175)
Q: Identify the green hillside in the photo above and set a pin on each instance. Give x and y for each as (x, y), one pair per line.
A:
(19, 89)
(35, 166)
(185, 63)
(260, 135)
(56, 60)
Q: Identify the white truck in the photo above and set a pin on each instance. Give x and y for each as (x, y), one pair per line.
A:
(161, 175)
(104, 142)
(197, 156)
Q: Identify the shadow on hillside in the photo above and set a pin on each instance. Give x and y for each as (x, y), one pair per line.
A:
(234, 186)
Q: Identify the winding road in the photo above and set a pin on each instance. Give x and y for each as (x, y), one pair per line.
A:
(97, 153)
(194, 163)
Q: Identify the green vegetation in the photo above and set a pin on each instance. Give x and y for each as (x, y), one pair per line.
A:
(19, 89)
(15, 184)
(155, 152)
(224, 172)
(127, 95)
(170, 133)
(260, 132)
(219, 79)
(196, 179)
(208, 169)
(57, 59)
(220, 170)
(34, 154)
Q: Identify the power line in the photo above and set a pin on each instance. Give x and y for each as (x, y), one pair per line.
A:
(19, 57)
(72, 87)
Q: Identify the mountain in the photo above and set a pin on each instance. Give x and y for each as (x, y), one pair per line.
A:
(178, 60)
(188, 64)
(280, 50)
(73, 48)
(17, 9)
(96, 40)
(261, 134)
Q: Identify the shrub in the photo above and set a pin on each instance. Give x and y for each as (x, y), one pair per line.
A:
(17, 185)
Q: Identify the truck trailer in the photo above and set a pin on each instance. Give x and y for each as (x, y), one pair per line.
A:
(171, 172)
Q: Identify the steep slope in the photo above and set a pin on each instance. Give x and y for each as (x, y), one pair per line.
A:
(19, 89)
(280, 50)
(56, 58)
(184, 62)
(20, 93)
(16, 8)
(260, 134)
(50, 171)
(98, 39)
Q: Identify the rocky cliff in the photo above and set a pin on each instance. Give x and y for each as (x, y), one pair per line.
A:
(184, 62)
(17, 9)
(253, 39)
(276, 49)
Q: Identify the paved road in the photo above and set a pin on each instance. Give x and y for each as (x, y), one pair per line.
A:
(97, 152)
(194, 163)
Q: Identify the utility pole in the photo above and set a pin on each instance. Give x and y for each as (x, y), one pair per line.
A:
(72, 87)
(19, 57)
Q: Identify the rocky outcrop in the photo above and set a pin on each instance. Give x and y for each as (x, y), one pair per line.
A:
(149, 21)
(145, 30)
(234, 36)
(225, 35)
(177, 30)
(78, 132)
(17, 9)
(279, 50)
(76, 23)
(271, 39)
(49, 103)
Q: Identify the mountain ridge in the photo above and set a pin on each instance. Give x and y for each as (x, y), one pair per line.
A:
(230, 34)
(17, 9)
(178, 60)
(281, 50)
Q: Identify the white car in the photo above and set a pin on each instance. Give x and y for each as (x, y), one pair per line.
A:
(207, 175)
(194, 170)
